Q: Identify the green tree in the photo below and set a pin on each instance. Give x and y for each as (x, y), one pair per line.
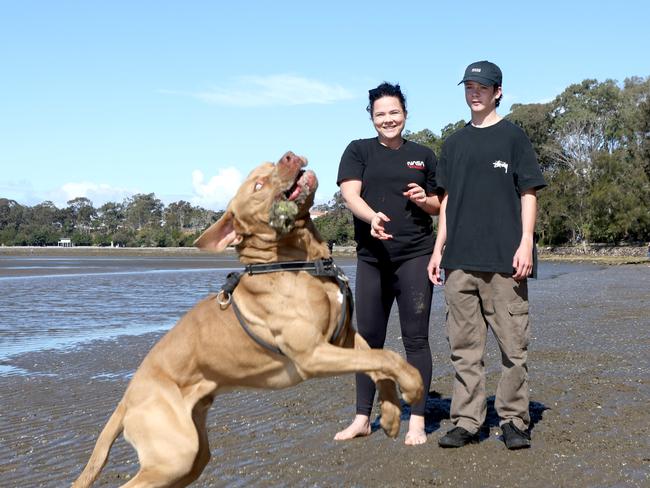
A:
(43, 214)
(81, 238)
(110, 217)
(595, 130)
(426, 138)
(143, 211)
(12, 217)
(586, 120)
(38, 235)
(559, 212)
(536, 121)
(636, 115)
(449, 129)
(644, 136)
(178, 215)
(618, 201)
(82, 213)
(336, 225)
(124, 237)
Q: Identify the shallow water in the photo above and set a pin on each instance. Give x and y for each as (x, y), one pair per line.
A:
(59, 303)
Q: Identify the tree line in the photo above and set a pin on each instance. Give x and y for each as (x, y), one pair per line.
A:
(592, 142)
(139, 221)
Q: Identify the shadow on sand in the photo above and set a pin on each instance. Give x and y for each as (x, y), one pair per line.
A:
(437, 410)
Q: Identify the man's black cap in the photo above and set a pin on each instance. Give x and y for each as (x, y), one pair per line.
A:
(483, 72)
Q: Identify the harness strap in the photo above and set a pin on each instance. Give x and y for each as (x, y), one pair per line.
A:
(247, 329)
(320, 267)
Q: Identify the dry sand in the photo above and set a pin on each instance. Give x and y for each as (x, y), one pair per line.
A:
(590, 381)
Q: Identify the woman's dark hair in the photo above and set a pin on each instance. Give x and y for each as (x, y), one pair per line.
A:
(385, 90)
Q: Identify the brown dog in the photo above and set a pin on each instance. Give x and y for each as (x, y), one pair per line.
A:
(163, 411)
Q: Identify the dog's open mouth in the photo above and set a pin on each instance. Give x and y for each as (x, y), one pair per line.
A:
(285, 209)
(304, 185)
(296, 189)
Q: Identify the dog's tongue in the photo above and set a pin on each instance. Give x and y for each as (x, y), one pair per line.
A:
(305, 183)
(294, 194)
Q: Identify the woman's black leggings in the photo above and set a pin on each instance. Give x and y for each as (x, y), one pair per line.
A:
(377, 286)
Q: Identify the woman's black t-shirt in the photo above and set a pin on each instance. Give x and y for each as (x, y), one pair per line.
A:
(484, 171)
(384, 174)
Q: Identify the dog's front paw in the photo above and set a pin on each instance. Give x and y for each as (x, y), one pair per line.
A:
(411, 386)
(390, 418)
(391, 410)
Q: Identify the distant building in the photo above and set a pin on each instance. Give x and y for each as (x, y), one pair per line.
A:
(314, 214)
(65, 243)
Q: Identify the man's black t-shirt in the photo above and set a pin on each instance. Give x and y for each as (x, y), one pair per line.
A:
(384, 174)
(484, 171)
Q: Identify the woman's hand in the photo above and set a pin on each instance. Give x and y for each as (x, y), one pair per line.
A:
(433, 269)
(351, 192)
(377, 229)
(416, 194)
(429, 203)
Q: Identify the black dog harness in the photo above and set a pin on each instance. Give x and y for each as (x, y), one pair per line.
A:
(320, 267)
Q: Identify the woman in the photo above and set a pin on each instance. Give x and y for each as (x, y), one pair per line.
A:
(388, 184)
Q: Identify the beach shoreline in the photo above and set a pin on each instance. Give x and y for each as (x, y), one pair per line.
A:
(599, 254)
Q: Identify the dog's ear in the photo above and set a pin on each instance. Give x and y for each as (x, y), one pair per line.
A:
(219, 235)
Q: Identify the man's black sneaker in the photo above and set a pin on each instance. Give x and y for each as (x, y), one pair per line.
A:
(457, 437)
(515, 438)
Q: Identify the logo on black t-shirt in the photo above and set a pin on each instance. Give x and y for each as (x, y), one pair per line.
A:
(415, 164)
(501, 164)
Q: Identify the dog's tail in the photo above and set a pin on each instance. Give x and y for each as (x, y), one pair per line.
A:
(103, 445)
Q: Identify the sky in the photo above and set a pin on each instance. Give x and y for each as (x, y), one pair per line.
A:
(107, 99)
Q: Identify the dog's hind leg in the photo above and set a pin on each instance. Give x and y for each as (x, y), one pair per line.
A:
(163, 432)
(199, 416)
(102, 447)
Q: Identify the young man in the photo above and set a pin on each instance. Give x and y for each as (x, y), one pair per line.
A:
(489, 174)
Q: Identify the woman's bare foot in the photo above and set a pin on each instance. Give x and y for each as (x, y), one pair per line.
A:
(416, 434)
(359, 427)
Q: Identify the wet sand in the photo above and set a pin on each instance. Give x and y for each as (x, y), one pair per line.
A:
(590, 381)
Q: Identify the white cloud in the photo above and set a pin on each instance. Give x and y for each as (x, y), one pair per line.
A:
(98, 193)
(272, 90)
(216, 192)
(213, 193)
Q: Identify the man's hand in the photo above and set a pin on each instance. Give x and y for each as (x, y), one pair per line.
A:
(377, 227)
(523, 260)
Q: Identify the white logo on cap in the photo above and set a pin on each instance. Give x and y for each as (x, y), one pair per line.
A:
(476, 70)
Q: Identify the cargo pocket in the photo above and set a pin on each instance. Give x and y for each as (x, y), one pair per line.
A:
(519, 308)
(520, 327)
